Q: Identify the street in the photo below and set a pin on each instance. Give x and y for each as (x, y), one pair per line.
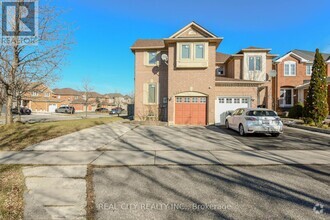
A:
(291, 139)
(212, 192)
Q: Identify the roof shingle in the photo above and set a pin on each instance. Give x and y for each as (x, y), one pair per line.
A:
(222, 57)
(148, 43)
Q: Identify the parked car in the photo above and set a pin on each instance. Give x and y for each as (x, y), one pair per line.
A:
(23, 111)
(102, 110)
(65, 109)
(116, 111)
(259, 120)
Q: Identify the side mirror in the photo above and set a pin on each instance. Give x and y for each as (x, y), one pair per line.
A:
(229, 113)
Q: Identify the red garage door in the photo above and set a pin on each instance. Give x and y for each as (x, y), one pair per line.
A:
(190, 110)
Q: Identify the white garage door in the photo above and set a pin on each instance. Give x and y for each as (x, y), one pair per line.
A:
(225, 104)
(52, 107)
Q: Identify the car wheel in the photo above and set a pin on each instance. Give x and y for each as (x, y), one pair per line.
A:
(275, 135)
(227, 124)
(241, 130)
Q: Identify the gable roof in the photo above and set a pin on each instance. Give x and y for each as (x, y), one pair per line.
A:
(303, 55)
(195, 26)
(148, 43)
(66, 91)
(222, 57)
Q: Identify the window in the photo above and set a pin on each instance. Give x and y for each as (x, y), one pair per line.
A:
(286, 97)
(203, 100)
(229, 100)
(236, 100)
(221, 100)
(261, 113)
(245, 100)
(199, 48)
(239, 111)
(152, 58)
(185, 51)
(178, 99)
(289, 68)
(309, 69)
(194, 99)
(187, 99)
(192, 54)
(152, 94)
(47, 94)
(58, 96)
(221, 71)
(34, 93)
(255, 63)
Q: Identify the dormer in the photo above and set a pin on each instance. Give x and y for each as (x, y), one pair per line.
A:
(255, 63)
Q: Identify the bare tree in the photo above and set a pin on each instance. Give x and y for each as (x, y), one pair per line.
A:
(87, 90)
(118, 101)
(22, 64)
(2, 98)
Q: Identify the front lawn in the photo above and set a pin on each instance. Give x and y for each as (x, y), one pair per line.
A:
(18, 136)
(11, 192)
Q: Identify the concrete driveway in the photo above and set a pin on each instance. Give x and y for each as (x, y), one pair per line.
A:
(125, 136)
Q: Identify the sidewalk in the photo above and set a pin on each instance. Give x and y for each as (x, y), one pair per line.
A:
(132, 158)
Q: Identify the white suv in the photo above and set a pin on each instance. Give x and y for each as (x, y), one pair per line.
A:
(259, 120)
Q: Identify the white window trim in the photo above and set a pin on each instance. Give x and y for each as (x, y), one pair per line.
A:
(146, 58)
(292, 98)
(307, 67)
(35, 93)
(255, 63)
(290, 63)
(146, 93)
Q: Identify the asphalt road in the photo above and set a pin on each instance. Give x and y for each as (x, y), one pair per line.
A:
(212, 192)
(291, 139)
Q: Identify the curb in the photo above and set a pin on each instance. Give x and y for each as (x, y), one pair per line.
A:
(320, 130)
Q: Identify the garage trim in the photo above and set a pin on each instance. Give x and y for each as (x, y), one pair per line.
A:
(218, 111)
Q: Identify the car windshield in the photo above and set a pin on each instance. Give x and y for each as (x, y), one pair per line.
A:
(261, 113)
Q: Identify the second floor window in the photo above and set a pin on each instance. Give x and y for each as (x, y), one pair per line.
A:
(34, 93)
(289, 68)
(309, 69)
(255, 63)
(185, 51)
(47, 94)
(199, 51)
(152, 58)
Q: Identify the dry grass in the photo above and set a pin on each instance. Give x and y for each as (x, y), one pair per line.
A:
(18, 136)
(90, 209)
(11, 192)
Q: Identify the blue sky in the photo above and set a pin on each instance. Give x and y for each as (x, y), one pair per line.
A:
(107, 28)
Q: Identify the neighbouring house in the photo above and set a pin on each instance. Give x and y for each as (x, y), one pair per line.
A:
(119, 100)
(294, 70)
(184, 80)
(40, 99)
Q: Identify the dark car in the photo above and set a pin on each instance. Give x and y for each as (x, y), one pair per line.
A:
(115, 111)
(102, 110)
(65, 109)
(23, 111)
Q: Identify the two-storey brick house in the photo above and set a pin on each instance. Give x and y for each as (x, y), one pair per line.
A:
(183, 80)
(294, 70)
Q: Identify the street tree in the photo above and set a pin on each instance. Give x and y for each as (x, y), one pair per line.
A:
(316, 108)
(22, 64)
(87, 90)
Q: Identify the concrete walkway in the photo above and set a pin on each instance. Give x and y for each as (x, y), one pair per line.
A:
(55, 192)
(117, 158)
